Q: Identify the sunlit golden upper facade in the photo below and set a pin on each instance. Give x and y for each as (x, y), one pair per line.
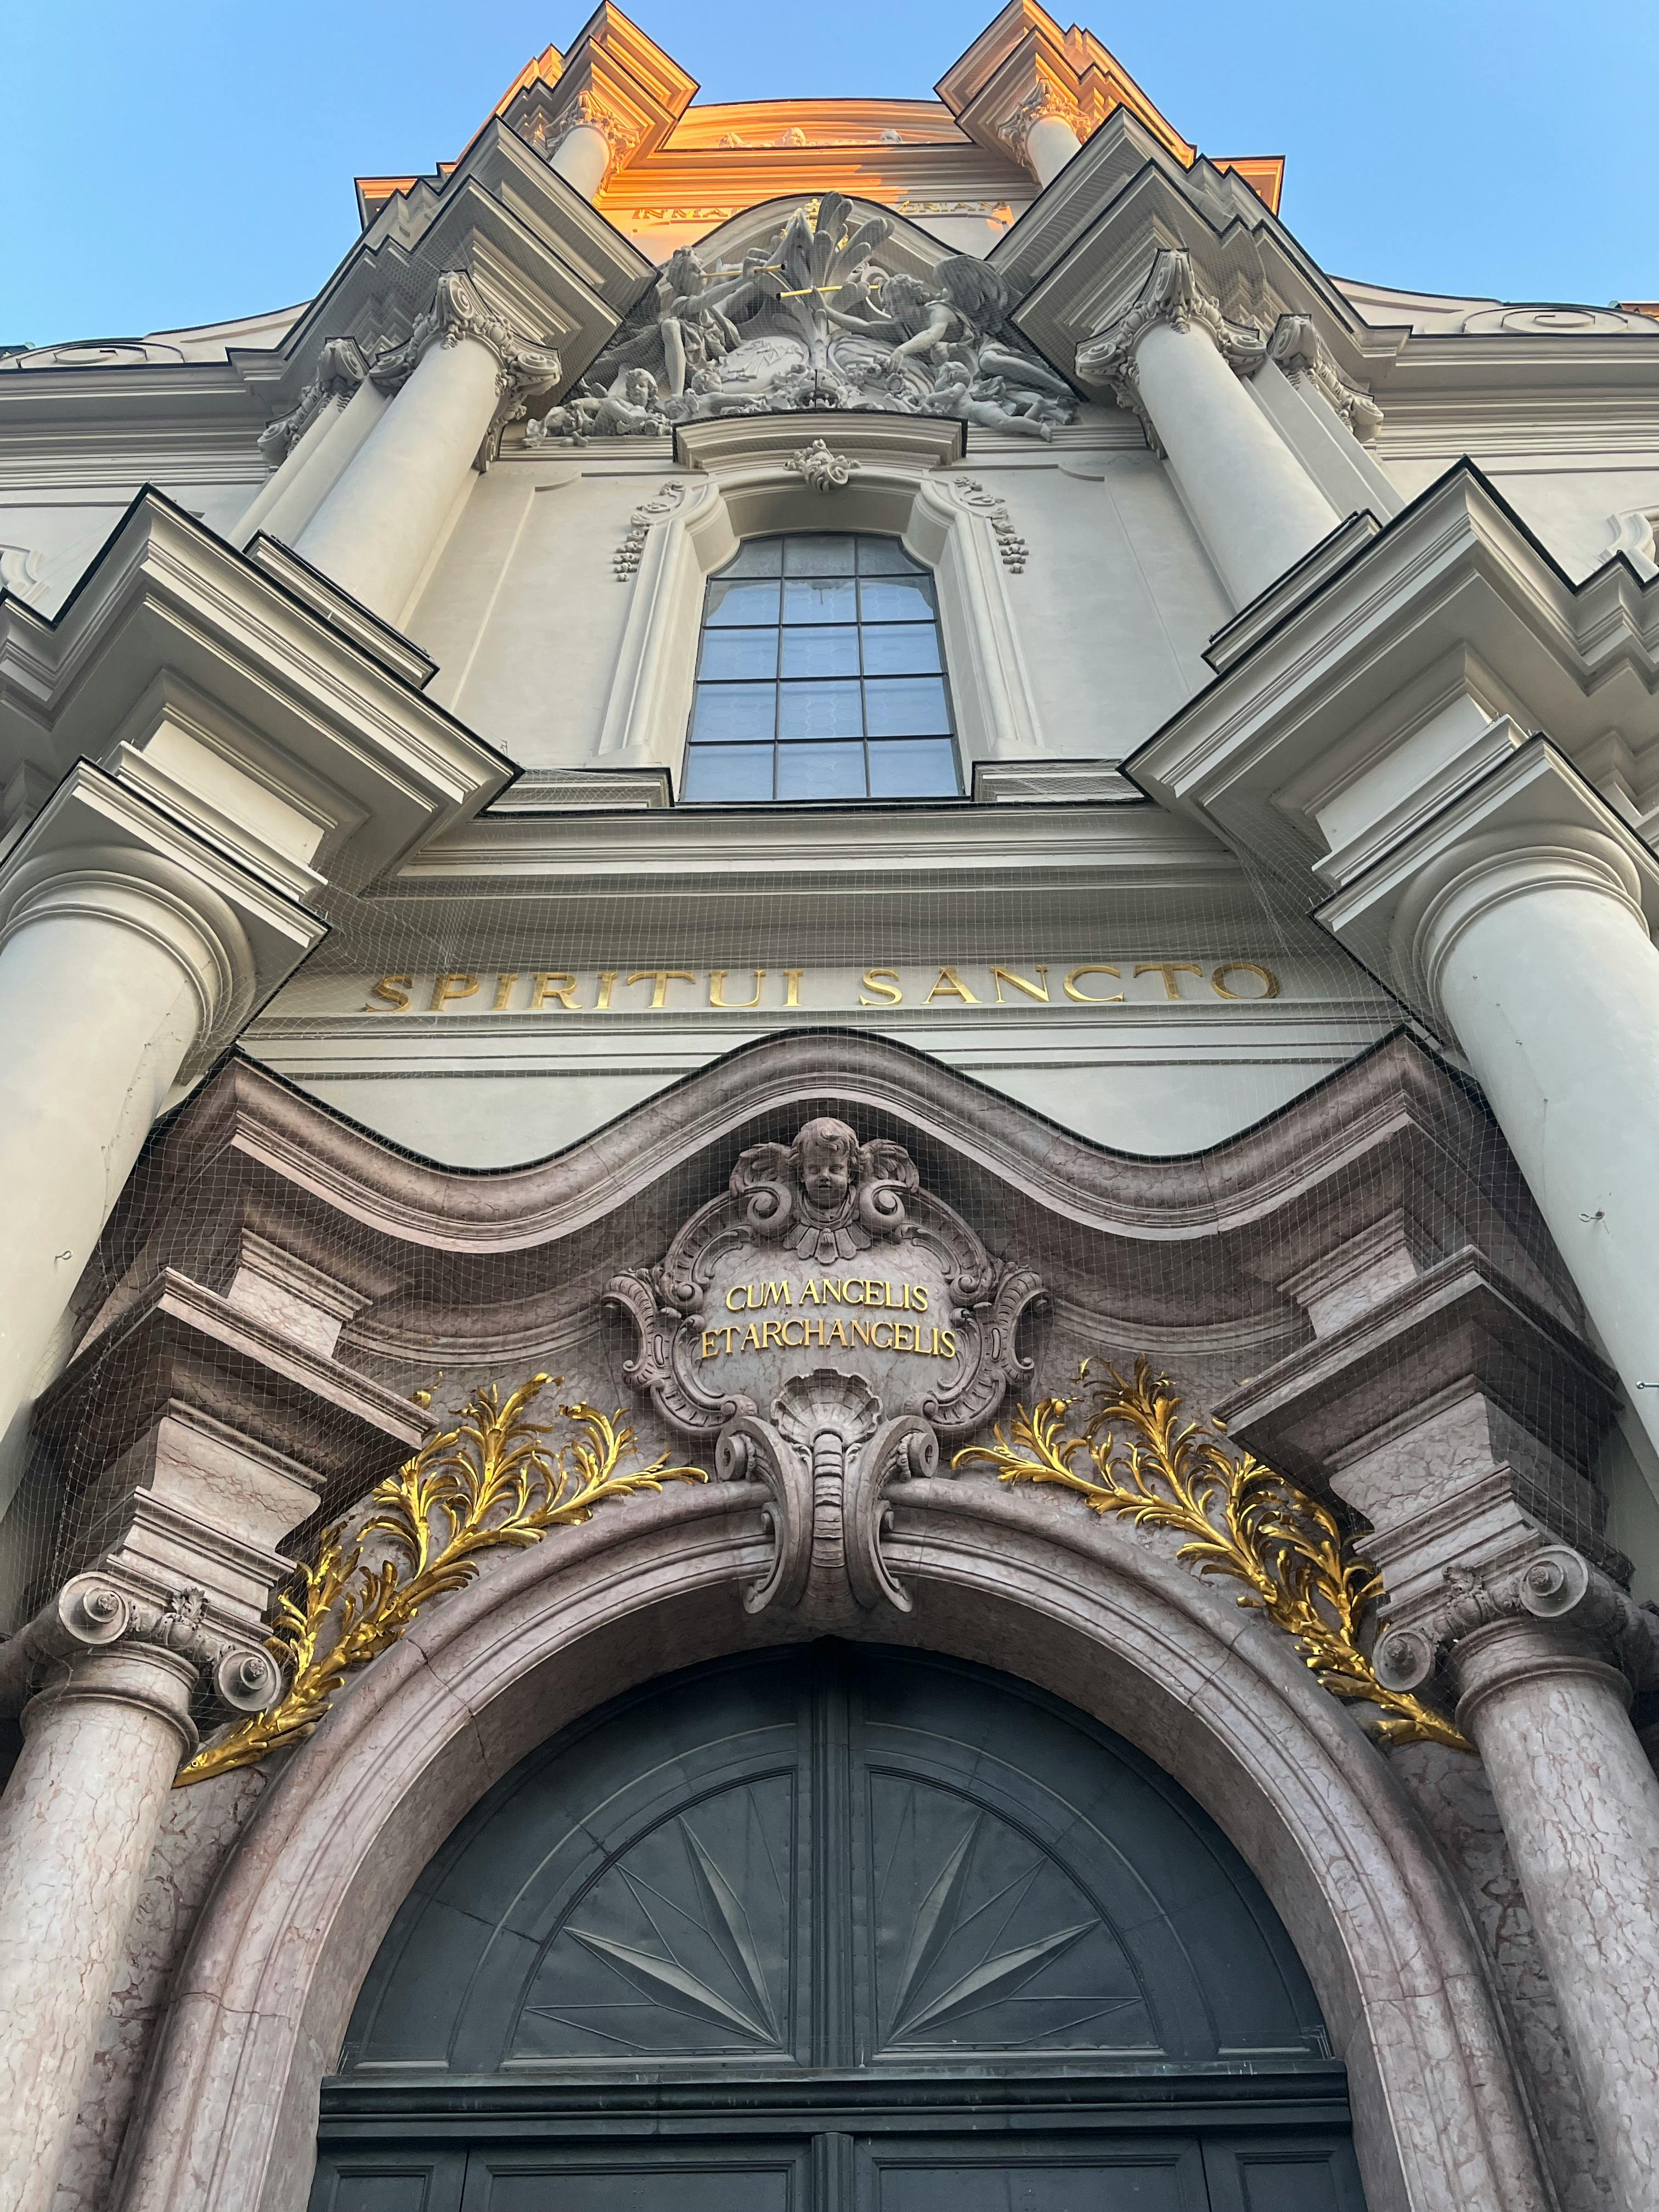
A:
(963, 166)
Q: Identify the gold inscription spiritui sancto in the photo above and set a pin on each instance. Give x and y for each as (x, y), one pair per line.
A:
(953, 985)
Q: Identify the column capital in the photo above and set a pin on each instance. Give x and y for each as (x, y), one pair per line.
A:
(341, 367)
(1296, 348)
(1044, 103)
(457, 311)
(587, 112)
(1171, 294)
(93, 1639)
(99, 847)
(1530, 822)
(1550, 1612)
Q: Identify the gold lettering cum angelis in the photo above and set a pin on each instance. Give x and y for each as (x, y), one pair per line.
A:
(799, 1332)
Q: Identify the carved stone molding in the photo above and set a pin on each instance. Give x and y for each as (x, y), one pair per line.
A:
(825, 1459)
(457, 311)
(815, 465)
(91, 1614)
(625, 561)
(969, 494)
(826, 1245)
(1555, 1586)
(1298, 349)
(341, 367)
(1172, 295)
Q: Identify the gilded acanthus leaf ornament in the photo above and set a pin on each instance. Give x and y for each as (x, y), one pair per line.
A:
(491, 1481)
(1242, 1521)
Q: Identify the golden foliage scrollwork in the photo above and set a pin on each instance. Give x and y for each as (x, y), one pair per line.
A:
(1241, 1520)
(490, 1481)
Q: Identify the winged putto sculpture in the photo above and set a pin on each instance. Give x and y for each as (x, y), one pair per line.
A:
(812, 320)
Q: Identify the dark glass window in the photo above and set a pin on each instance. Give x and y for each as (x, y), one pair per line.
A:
(820, 675)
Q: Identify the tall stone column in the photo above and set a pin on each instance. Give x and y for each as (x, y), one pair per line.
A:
(1175, 362)
(103, 1735)
(128, 956)
(582, 157)
(458, 376)
(1044, 132)
(1516, 916)
(1532, 1656)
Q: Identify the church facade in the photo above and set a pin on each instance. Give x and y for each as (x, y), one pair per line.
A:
(829, 1336)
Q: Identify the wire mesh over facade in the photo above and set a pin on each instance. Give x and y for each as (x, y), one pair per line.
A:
(828, 875)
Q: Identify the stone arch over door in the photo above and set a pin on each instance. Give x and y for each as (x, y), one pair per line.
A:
(834, 1925)
(260, 2008)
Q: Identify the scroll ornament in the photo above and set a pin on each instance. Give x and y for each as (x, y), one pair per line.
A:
(488, 1483)
(884, 1328)
(1242, 1521)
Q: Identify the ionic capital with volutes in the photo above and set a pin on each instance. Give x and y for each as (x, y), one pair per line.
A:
(341, 367)
(95, 1640)
(1172, 295)
(1296, 348)
(1551, 1614)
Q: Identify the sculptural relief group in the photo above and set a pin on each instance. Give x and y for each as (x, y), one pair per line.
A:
(810, 319)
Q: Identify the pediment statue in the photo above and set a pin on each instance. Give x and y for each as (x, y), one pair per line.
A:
(813, 318)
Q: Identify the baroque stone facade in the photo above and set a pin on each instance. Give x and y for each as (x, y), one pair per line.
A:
(834, 894)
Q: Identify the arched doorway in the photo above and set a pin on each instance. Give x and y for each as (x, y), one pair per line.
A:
(835, 1930)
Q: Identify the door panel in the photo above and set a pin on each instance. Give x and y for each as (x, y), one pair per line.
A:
(1071, 2174)
(1306, 2173)
(982, 1939)
(828, 1856)
(740, 1941)
(684, 1943)
(390, 2183)
(692, 2178)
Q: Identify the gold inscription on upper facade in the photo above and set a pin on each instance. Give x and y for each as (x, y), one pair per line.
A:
(953, 985)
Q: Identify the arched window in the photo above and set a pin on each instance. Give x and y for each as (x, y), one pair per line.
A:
(820, 676)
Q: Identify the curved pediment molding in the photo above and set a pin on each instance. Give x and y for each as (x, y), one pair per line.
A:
(468, 1268)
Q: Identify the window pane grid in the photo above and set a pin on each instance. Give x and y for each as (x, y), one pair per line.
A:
(820, 675)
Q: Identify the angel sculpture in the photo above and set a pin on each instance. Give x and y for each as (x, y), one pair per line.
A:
(827, 1195)
(695, 332)
(961, 322)
(987, 402)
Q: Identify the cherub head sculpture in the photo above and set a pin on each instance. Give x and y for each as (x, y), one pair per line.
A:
(826, 1194)
(825, 1156)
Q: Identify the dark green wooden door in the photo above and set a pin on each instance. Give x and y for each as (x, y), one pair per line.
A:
(836, 1930)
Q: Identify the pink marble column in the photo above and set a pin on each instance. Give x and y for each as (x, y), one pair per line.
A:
(1580, 1807)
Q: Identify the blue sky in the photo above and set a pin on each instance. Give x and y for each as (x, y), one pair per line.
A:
(182, 161)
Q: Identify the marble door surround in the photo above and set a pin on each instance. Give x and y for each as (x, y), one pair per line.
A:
(1095, 1614)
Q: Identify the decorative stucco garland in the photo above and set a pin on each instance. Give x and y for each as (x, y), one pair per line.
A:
(487, 1482)
(1244, 1521)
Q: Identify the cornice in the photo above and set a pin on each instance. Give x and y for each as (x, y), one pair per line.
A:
(911, 442)
(1455, 590)
(313, 680)
(711, 852)
(1081, 253)
(540, 256)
